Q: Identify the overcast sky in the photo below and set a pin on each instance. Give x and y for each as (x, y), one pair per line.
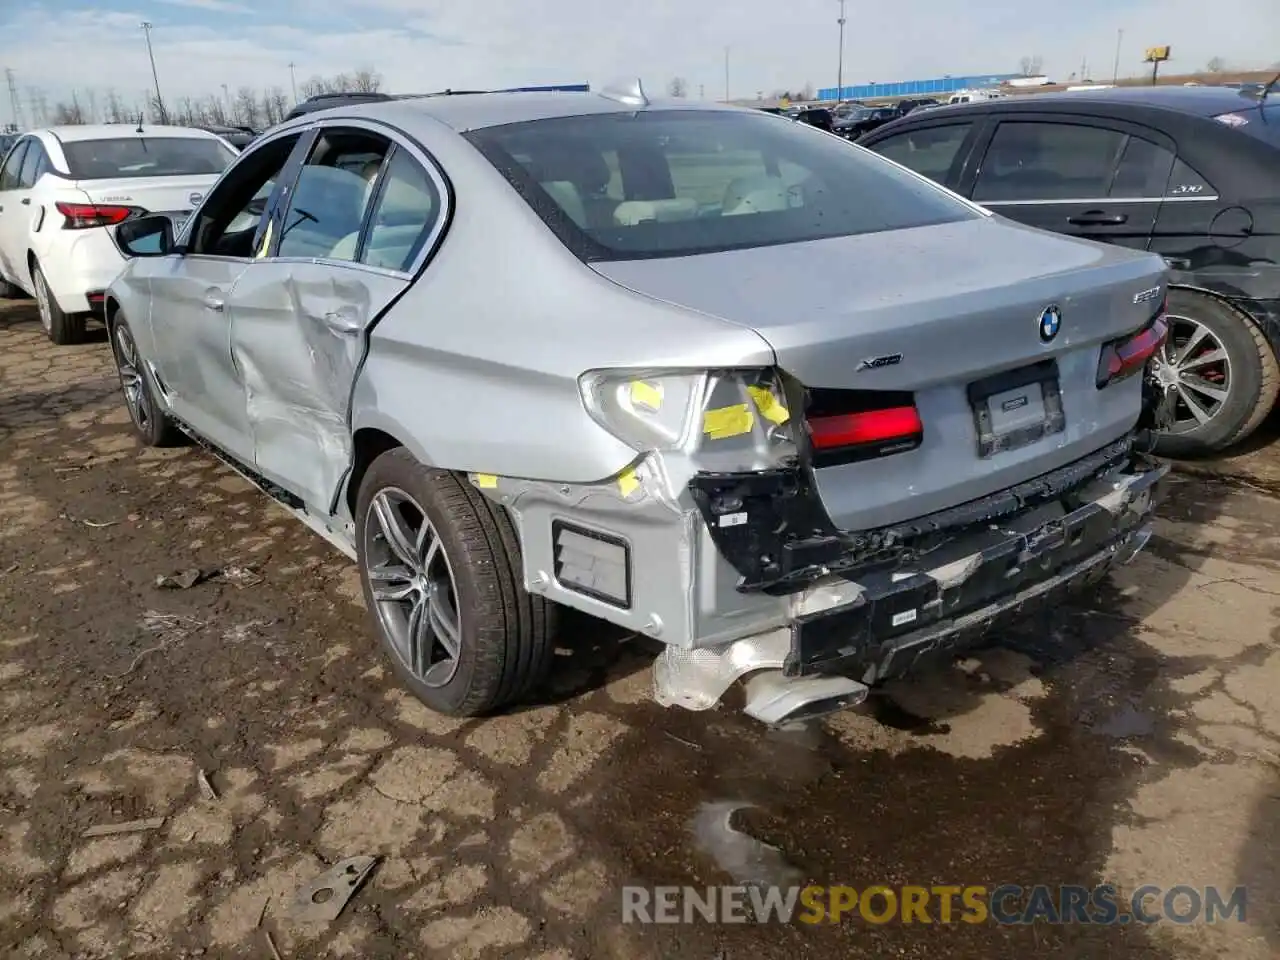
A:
(423, 45)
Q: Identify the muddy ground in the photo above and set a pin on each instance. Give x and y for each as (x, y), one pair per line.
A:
(1131, 737)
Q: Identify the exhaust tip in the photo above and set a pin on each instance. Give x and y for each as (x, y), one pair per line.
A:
(775, 698)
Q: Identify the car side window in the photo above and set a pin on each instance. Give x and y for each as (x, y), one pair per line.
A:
(405, 214)
(334, 190)
(1034, 160)
(230, 217)
(1143, 171)
(13, 166)
(33, 164)
(929, 151)
(1185, 182)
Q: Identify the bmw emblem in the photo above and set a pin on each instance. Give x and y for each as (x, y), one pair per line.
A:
(1050, 323)
(195, 198)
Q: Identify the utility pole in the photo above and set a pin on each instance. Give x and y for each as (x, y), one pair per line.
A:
(1115, 73)
(840, 69)
(293, 81)
(702, 91)
(164, 115)
(14, 103)
(726, 74)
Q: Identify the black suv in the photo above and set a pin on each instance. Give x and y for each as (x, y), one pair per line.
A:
(1191, 173)
(325, 101)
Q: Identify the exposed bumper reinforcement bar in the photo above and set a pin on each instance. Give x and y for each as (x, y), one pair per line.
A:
(894, 618)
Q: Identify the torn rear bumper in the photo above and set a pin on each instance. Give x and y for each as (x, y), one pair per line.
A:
(879, 622)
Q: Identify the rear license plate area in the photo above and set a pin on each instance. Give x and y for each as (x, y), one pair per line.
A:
(1016, 408)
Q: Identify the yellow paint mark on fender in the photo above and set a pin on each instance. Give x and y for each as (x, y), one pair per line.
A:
(725, 422)
(628, 482)
(770, 407)
(486, 481)
(645, 394)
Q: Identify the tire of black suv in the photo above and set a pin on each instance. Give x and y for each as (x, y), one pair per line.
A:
(59, 326)
(153, 427)
(1255, 377)
(505, 635)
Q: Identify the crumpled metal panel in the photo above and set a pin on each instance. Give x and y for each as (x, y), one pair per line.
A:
(298, 338)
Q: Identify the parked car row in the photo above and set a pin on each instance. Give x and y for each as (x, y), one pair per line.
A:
(1189, 173)
(859, 466)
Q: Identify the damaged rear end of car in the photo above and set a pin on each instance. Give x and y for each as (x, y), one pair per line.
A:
(951, 432)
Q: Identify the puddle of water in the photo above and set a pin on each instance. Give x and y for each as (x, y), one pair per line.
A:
(748, 861)
(1126, 722)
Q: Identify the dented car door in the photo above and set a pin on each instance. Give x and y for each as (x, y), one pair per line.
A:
(348, 246)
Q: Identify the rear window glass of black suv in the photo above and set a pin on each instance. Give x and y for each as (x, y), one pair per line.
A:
(145, 157)
(669, 183)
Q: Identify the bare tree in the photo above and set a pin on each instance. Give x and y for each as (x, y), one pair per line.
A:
(1216, 65)
(115, 110)
(245, 108)
(65, 114)
(678, 88)
(1031, 66)
(366, 81)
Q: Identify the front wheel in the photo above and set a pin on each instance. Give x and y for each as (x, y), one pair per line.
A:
(1218, 373)
(441, 571)
(59, 326)
(153, 426)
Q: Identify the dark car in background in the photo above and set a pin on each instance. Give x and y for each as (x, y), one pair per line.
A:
(238, 136)
(819, 117)
(857, 122)
(7, 140)
(1190, 173)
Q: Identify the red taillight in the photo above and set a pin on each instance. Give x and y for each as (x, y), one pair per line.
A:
(845, 437)
(82, 215)
(1124, 358)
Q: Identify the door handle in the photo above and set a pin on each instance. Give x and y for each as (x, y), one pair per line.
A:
(1097, 218)
(214, 304)
(26, 201)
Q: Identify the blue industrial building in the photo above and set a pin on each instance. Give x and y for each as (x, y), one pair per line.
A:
(916, 88)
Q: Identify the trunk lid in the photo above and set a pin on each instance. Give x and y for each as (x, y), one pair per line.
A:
(950, 315)
(176, 196)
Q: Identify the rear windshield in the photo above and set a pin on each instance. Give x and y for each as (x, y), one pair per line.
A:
(667, 183)
(145, 157)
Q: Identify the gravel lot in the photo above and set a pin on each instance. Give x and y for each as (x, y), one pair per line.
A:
(1131, 738)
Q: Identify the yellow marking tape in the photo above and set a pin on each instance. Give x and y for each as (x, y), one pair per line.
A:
(266, 241)
(645, 394)
(771, 408)
(486, 481)
(725, 422)
(628, 482)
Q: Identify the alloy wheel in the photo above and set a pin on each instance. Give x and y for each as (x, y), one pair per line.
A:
(1193, 371)
(412, 584)
(131, 380)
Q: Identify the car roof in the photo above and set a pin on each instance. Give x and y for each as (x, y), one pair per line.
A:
(73, 133)
(1196, 101)
(473, 111)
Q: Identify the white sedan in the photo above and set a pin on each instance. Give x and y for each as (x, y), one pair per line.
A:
(62, 190)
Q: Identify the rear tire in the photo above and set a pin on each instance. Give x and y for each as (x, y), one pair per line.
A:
(1251, 371)
(153, 426)
(468, 588)
(59, 326)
